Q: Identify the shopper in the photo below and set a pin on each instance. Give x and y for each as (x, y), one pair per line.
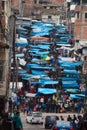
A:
(17, 121)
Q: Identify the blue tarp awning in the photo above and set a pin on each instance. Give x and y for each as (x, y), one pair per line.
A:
(70, 84)
(70, 71)
(42, 52)
(22, 71)
(42, 67)
(77, 96)
(30, 65)
(68, 79)
(38, 72)
(49, 82)
(21, 44)
(46, 91)
(69, 64)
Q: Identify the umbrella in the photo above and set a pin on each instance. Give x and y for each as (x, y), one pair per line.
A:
(47, 58)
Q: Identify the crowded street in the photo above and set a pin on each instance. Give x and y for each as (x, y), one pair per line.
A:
(27, 126)
(43, 65)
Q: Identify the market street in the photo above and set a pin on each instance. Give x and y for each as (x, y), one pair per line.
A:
(27, 126)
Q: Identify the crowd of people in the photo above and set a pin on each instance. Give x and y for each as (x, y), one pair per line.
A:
(11, 122)
(48, 104)
(60, 102)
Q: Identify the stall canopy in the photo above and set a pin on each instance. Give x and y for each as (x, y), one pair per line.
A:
(77, 96)
(46, 91)
(70, 71)
(66, 59)
(49, 82)
(36, 72)
(70, 84)
(21, 42)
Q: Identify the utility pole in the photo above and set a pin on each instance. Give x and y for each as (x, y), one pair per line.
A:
(12, 20)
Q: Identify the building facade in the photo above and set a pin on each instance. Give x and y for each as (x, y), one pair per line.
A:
(5, 12)
(78, 17)
(39, 9)
(80, 29)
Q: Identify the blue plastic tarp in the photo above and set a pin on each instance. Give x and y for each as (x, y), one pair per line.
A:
(42, 67)
(21, 44)
(68, 79)
(69, 65)
(30, 65)
(38, 82)
(70, 71)
(21, 72)
(73, 96)
(38, 72)
(62, 42)
(70, 84)
(42, 52)
(49, 82)
(77, 96)
(46, 91)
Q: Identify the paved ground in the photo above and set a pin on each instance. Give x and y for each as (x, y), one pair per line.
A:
(40, 127)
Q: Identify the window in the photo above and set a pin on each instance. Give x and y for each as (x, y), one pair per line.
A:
(84, 2)
(77, 15)
(85, 15)
(49, 17)
(85, 58)
(51, 7)
(1, 70)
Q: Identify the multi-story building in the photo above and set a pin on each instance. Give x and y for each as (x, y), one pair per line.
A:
(40, 9)
(5, 11)
(80, 28)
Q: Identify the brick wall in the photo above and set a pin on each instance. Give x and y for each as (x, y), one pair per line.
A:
(61, 2)
(29, 6)
(80, 27)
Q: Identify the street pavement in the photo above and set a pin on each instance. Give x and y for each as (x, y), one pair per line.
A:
(27, 126)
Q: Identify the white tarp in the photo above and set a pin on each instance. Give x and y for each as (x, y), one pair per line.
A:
(67, 48)
(22, 62)
(30, 94)
(72, 7)
(67, 59)
(21, 40)
(84, 51)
